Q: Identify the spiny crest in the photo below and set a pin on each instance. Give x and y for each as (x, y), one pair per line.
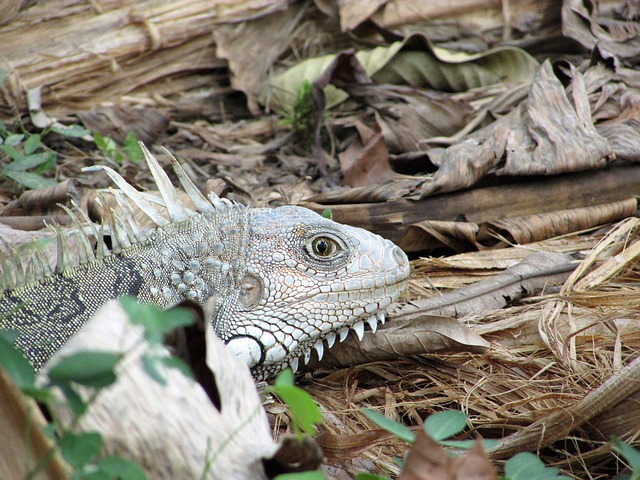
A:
(119, 224)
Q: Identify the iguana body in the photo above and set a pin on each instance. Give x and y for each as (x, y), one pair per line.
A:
(276, 281)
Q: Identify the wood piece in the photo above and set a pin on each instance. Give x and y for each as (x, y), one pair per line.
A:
(542, 194)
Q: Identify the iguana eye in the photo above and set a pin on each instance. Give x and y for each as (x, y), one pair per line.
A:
(324, 246)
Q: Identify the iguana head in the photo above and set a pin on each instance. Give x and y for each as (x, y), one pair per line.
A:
(307, 280)
(275, 282)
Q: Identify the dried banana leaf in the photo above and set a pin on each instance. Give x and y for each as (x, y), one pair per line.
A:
(414, 62)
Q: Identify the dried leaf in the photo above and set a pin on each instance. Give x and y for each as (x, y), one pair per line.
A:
(474, 464)
(605, 29)
(408, 115)
(411, 62)
(559, 137)
(249, 56)
(534, 228)
(338, 447)
(354, 12)
(426, 461)
(366, 161)
(416, 335)
(24, 443)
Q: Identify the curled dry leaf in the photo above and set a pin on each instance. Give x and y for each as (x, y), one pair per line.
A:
(192, 427)
(249, 56)
(24, 443)
(547, 134)
(422, 333)
(426, 461)
(559, 137)
(465, 236)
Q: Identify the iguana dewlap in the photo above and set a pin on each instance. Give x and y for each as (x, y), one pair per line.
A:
(278, 281)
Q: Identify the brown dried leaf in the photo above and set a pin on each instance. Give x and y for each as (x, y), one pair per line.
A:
(593, 27)
(421, 333)
(427, 461)
(250, 57)
(474, 465)
(408, 115)
(120, 120)
(556, 137)
(465, 163)
(23, 442)
(354, 12)
(338, 447)
(366, 161)
(534, 228)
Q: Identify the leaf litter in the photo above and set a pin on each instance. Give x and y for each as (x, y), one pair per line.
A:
(546, 366)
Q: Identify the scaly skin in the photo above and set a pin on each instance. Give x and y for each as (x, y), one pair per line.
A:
(277, 282)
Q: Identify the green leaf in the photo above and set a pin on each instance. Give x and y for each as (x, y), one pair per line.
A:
(28, 162)
(106, 144)
(132, 148)
(13, 362)
(150, 364)
(32, 144)
(527, 466)
(630, 454)
(326, 213)
(398, 429)
(156, 322)
(12, 153)
(303, 410)
(92, 369)
(285, 377)
(120, 468)
(369, 476)
(29, 180)
(74, 401)
(13, 139)
(445, 424)
(80, 448)
(308, 475)
(71, 131)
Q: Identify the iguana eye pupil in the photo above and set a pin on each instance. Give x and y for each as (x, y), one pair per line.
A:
(324, 246)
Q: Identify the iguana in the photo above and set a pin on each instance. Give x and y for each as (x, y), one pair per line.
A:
(278, 281)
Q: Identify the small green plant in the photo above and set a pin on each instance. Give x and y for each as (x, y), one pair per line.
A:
(115, 155)
(303, 411)
(441, 426)
(94, 371)
(300, 115)
(527, 466)
(29, 158)
(631, 455)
